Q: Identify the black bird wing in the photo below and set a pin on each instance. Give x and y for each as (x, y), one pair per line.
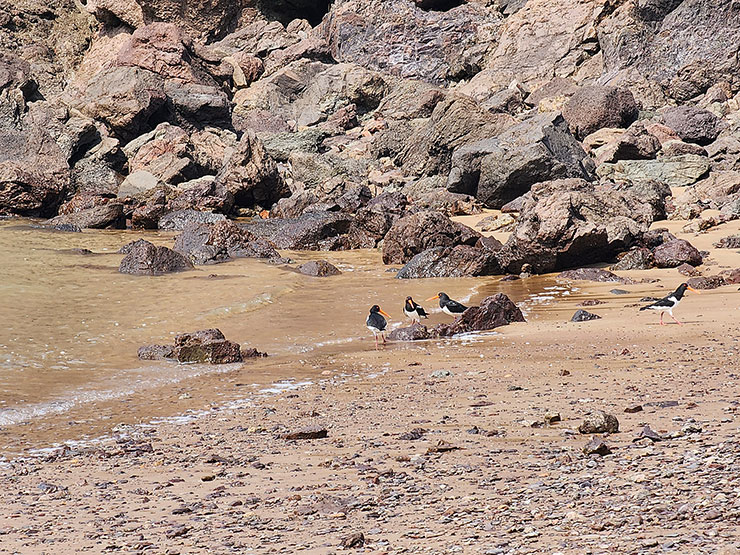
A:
(421, 312)
(665, 302)
(377, 321)
(454, 306)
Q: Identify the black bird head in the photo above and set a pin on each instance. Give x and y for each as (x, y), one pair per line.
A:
(409, 299)
(376, 309)
(443, 296)
(682, 290)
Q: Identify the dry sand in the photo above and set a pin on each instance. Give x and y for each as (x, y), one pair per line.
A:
(484, 474)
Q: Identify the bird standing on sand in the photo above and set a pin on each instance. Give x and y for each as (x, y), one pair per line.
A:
(667, 304)
(413, 310)
(448, 306)
(376, 323)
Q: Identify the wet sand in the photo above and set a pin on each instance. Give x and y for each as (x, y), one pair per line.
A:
(484, 474)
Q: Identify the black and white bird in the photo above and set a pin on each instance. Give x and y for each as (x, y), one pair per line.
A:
(413, 310)
(448, 306)
(667, 304)
(376, 323)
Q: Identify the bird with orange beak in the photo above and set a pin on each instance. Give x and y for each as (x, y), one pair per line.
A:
(376, 323)
(448, 306)
(667, 304)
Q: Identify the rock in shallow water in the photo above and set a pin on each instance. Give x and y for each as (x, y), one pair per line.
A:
(318, 268)
(208, 346)
(145, 259)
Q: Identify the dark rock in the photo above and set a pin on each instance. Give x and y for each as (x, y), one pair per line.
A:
(584, 316)
(693, 124)
(513, 206)
(414, 332)
(679, 148)
(618, 292)
(656, 237)
(318, 268)
(500, 169)
(372, 222)
(420, 231)
(311, 231)
(252, 353)
(676, 252)
(706, 282)
(457, 261)
(640, 258)
(730, 242)
(353, 540)
(632, 409)
(109, 215)
(179, 219)
(599, 422)
(593, 107)
(206, 346)
(311, 432)
(597, 446)
(593, 274)
(570, 222)
(732, 276)
(217, 242)
(648, 433)
(145, 259)
(687, 270)
(67, 228)
(497, 310)
(195, 105)
(156, 352)
(591, 302)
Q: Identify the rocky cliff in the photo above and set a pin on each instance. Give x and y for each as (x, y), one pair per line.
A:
(341, 120)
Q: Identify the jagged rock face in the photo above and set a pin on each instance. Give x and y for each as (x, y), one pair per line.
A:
(500, 169)
(417, 232)
(678, 48)
(210, 243)
(145, 259)
(402, 40)
(207, 18)
(571, 222)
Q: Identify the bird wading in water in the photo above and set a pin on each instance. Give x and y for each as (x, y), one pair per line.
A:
(376, 323)
(448, 306)
(413, 310)
(667, 304)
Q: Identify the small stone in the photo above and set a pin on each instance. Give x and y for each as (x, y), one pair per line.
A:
(353, 540)
(441, 374)
(597, 446)
(591, 302)
(691, 427)
(311, 432)
(599, 422)
(618, 292)
(648, 433)
(551, 417)
(413, 435)
(207, 478)
(632, 409)
(584, 316)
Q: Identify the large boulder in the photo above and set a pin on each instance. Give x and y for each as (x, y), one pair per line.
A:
(493, 312)
(167, 156)
(715, 191)
(420, 231)
(498, 170)
(402, 40)
(251, 175)
(146, 259)
(594, 107)
(676, 252)
(125, 98)
(372, 222)
(205, 19)
(210, 243)
(675, 171)
(457, 261)
(106, 216)
(570, 222)
(693, 124)
(311, 231)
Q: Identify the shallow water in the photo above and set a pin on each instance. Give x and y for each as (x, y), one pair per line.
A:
(73, 324)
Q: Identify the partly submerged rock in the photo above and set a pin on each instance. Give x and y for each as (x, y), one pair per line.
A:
(205, 243)
(206, 346)
(318, 268)
(494, 311)
(146, 259)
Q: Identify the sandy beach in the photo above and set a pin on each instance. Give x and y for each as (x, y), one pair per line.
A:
(435, 447)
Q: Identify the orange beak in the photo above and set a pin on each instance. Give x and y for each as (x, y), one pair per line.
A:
(694, 290)
(433, 298)
(383, 313)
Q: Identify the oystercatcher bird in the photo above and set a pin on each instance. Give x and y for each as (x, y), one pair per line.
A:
(448, 306)
(376, 323)
(413, 310)
(667, 304)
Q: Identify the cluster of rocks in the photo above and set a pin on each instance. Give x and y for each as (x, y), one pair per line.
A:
(203, 346)
(362, 123)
